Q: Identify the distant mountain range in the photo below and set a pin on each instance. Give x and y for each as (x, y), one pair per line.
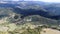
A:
(49, 10)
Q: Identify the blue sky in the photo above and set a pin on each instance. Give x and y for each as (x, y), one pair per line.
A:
(45, 0)
(11, 0)
(35, 0)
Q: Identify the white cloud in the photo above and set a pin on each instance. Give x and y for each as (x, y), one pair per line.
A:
(34, 0)
(15, 0)
(50, 0)
(9, 0)
(45, 0)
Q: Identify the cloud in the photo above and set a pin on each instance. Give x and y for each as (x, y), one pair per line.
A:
(10, 0)
(45, 0)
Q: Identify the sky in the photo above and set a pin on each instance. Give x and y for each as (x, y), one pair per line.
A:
(35, 0)
(45, 0)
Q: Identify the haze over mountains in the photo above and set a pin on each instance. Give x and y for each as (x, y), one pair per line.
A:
(49, 10)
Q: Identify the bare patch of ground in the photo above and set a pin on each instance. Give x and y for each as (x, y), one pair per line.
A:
(50, 31)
